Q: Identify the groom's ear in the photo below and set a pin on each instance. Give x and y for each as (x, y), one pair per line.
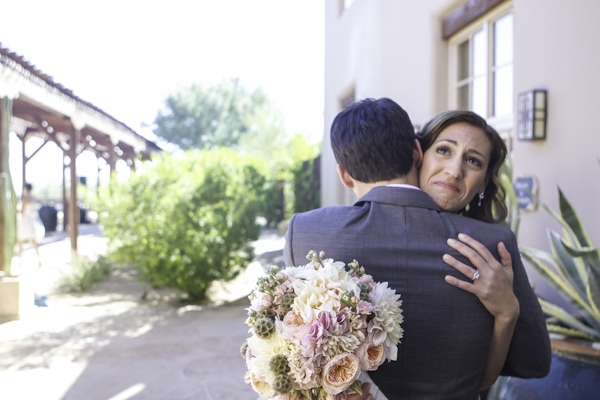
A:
(417, 154)
(345, 177)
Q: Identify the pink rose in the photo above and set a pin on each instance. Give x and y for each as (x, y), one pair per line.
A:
(339, 373)
(294, 325)
(369, 356)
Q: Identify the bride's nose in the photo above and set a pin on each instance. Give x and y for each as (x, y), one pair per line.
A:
(453, 168)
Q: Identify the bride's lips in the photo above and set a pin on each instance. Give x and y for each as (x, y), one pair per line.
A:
(447, 185)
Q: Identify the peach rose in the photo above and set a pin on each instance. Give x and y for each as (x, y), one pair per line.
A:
(261, 387)
(339, 373)
(369, 356)
(294, 325)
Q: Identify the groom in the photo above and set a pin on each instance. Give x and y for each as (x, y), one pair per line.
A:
(399, 235)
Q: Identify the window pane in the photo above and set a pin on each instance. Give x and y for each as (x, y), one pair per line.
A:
(503, 40)
(462, 97)
(480, 96)
(462, 61)
(479, 54)
(503, 91)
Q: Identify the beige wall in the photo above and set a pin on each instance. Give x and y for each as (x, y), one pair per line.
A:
(382, 48)
(557, 49)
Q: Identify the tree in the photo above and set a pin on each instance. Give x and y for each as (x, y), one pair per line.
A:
(200, 116)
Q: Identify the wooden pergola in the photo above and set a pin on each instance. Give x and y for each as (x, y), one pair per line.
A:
(39, 107)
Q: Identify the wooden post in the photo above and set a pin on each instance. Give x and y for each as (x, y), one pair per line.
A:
(3, 154)
(8, 201)
(24, 164)
(64, 194)
(73, 209)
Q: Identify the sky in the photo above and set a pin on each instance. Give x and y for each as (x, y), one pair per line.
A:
(125, 56)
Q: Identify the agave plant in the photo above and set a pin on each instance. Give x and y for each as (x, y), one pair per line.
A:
(573, 269)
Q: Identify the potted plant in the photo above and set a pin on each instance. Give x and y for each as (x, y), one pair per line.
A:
(573, 269)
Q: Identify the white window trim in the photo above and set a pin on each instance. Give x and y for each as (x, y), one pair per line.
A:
(484, 22)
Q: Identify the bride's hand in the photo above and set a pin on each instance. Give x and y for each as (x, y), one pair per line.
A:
(494, 283)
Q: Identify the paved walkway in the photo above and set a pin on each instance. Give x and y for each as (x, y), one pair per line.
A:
(109, 344)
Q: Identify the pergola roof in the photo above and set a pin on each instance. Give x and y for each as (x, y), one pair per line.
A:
(47, 109)
(43, 108)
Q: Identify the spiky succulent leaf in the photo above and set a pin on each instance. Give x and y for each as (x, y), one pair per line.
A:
(563, 316)
(561, 330)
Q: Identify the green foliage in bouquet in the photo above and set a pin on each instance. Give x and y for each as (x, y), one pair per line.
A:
(573, 269)
(186, 220)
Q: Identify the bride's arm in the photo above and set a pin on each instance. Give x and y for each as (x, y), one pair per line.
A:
(494, 288)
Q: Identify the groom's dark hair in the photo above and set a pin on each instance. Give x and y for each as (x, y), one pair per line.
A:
(373, 140)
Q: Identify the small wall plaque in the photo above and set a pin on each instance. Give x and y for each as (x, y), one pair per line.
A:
(524, 186)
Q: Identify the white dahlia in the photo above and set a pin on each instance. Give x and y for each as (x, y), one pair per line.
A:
(387, 316)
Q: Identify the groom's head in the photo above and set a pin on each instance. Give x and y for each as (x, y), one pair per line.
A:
(373, 140)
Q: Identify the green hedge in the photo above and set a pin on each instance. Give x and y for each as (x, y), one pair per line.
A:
(187, 219)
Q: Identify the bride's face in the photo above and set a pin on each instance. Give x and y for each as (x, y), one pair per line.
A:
(454, 167)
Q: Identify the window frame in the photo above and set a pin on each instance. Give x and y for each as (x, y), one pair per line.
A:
(486, 23)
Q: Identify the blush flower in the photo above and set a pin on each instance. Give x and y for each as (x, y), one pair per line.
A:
(339, 373)
(294, 326)
(370, 356)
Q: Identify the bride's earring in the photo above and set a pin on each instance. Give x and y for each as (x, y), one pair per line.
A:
(480, 198)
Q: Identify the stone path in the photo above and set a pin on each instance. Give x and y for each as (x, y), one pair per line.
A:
(109, 344)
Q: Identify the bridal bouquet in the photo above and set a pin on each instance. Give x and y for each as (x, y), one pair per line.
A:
(314, 327)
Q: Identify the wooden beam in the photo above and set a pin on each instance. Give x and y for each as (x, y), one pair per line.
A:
(465, 14)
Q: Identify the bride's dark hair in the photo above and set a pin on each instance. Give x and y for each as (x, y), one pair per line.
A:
(493, 205)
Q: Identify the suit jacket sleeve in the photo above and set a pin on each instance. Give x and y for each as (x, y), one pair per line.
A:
(529, 355)
(288, 255)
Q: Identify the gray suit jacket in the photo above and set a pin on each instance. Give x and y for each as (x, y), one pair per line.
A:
(399, 235)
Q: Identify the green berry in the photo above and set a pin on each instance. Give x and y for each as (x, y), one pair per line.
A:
(279, 365)
(264, 327)
(282, 384)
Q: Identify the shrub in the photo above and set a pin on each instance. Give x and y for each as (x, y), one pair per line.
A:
(187, 220)
(84, 273)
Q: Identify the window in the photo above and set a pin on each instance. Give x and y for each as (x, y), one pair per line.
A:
(481, 68)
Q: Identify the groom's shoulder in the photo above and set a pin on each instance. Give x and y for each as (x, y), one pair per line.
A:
(473, 226)
(325, 213)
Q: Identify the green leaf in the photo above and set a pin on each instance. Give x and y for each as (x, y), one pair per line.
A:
(559, 283)
(552, 328)
(593, 291)
(571, 267)
(355, 387)
(569, 215)
(567, 319)
(571, 237)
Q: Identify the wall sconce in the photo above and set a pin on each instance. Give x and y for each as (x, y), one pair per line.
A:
(531, 115)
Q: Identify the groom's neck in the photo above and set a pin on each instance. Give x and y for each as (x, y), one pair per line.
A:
(362, 188)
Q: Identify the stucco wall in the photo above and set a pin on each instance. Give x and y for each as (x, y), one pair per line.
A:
(556, 48)
(382, 48)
